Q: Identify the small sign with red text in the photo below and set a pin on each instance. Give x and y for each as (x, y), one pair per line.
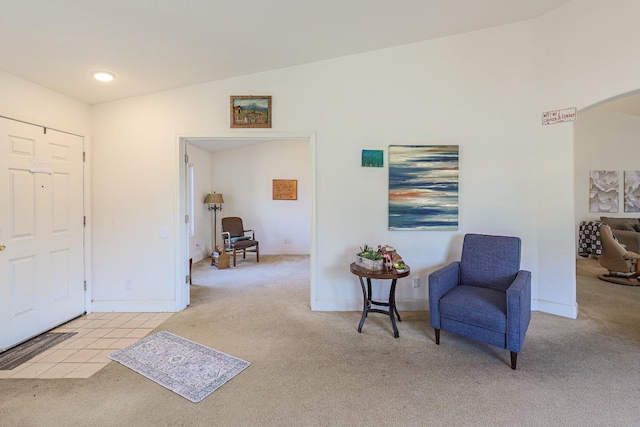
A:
(559, 116)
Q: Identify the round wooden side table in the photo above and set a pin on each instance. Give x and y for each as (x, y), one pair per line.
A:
(392, 275)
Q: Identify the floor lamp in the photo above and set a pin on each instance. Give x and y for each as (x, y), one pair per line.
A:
(215, 201)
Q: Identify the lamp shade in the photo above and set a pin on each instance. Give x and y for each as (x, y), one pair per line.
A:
(214, 198)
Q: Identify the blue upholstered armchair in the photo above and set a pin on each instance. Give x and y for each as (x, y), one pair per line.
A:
(485, 296)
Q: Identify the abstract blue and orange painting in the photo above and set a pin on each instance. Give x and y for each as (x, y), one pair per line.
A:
(423, 187)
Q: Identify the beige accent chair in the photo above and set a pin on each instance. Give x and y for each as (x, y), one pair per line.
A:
(615, 256)
(626, 230)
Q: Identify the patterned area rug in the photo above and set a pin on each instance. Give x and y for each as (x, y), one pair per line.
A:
(187, 368)
(29, 349)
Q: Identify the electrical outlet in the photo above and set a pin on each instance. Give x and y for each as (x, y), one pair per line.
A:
(287, 241)
(416, 282)
(128, 284)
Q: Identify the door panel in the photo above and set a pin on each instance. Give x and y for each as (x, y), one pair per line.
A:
(60, 211)
(23, 289)
(41, 227)
(60, 274)
(22, 219)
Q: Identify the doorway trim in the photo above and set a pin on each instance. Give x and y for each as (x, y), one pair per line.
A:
(181, 227)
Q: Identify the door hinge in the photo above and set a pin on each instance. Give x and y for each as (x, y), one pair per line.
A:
(84, 156)
(186, 158)
(84, 221)
(187, 278)
(186, 219)
(85, 285)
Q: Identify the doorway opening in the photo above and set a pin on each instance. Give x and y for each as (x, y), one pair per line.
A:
(234, 140)
(605, 139)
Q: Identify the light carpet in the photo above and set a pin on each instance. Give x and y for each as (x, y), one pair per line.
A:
(187, 368)
(312, 368)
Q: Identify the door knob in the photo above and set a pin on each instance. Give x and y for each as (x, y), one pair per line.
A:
(2, 248)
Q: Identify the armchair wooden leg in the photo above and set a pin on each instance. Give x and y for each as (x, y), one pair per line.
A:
(234, 257)
(257, 252)
(514, 359)
(437, 336)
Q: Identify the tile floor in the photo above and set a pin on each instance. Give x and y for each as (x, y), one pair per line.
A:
(84, 354)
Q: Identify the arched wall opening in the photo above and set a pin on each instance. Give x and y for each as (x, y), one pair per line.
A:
(606, 137)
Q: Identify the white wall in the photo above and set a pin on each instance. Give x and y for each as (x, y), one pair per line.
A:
(29, 102)
(484, 91)
(244, 176)
(200, 245)
(605, 140)
(457, 90)
(585, 56)
(135, 175)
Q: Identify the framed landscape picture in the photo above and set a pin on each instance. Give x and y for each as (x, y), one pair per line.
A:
(250, 111)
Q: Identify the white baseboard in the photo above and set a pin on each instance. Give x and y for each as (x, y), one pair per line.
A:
(554, 308)
(134, 306)
(281, 251)
(199, 257)
(423, 305)
(413, 305)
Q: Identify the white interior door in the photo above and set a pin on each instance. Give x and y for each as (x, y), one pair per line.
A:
(41, 230)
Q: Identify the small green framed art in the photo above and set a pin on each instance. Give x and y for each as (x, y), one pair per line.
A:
(372, 158)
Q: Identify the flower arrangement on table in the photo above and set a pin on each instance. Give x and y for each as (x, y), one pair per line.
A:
(376, 258)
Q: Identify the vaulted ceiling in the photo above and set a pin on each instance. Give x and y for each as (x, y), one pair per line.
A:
(155, 45)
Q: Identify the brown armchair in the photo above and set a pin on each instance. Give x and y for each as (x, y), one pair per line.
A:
(236, 239)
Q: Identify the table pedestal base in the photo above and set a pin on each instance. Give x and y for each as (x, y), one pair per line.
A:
(368, 302)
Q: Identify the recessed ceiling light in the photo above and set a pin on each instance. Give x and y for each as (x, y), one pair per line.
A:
(103, 76)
